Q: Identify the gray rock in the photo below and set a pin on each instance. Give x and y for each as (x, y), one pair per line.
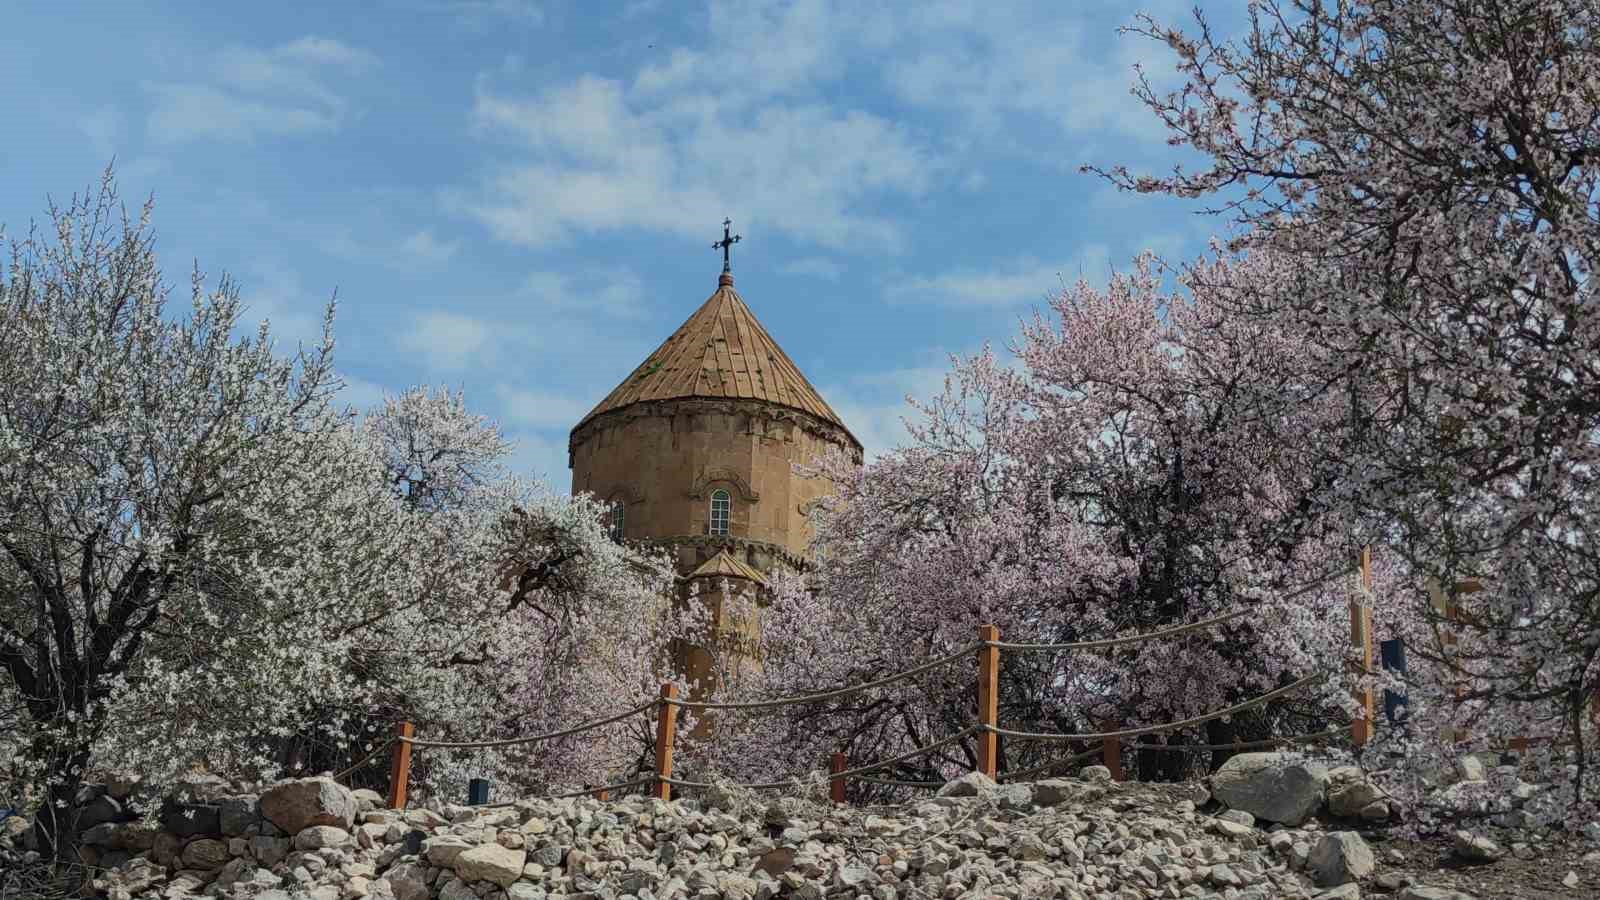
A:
(237, 814)
(548, 856)
(294, 806)
(491, 862)
(1350, 891)
(1470, 768)
(318, 836)
(206, 854)
(268, 851)
(1277, 787)
(456, 889)
(1239, 816)
(1096, 773)
(1340, 858)
(191, 819)
(1056, 791)
(406, 881)
(972, 784)
(103, 808)
(368, 799)
(1474, 847)
(1349, 798)
(1424, 892)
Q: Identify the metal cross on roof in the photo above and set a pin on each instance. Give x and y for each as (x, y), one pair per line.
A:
(726, 242)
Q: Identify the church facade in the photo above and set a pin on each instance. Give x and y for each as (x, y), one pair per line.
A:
(694, 451)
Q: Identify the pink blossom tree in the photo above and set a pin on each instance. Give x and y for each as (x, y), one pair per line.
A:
(1135, 470)
(1427, 176)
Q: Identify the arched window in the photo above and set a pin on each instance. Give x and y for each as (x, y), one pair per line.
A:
(619, 512)
(721, 506)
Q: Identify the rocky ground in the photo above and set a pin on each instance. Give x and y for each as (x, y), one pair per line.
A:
(1084, 837)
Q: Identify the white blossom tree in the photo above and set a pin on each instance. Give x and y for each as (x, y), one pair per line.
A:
(206, 564)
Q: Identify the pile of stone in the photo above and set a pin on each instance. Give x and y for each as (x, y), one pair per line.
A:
(311, 839)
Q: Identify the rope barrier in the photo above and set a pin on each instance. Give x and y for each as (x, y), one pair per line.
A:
(889, 782)
(621, 785)
(847, 773)
(506, 742)
(1162, 633)
(1248, 745)
(1156, 729)
(824, 695)
(1049, 767)
(1130, 639)
(365, 759)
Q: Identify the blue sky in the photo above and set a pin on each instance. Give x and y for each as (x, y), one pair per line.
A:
(519, 198)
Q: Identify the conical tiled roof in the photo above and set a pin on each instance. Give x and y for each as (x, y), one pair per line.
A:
(721, 351)
(724, 565)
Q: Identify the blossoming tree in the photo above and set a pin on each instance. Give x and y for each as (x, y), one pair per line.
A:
(1132, 472)
(1427, 176)
(206, 564)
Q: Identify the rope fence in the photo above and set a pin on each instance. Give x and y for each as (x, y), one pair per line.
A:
(987, 730)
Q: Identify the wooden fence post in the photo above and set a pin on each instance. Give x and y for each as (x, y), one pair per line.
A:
(1361, 638)
(988, 700)
(1111, 756)
(836, 784)
(400, 766)
(666, 729)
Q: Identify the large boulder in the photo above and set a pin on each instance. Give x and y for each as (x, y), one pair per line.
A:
(1277, 787)
(1341, 858)
(294, 806)
(492, 863)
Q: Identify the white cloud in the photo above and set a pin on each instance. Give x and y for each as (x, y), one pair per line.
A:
(483, 14)
(361, 393)
(873, 404)
(613, 294)
(1023, 281)
(249, 93)
(447, 340)
(777, 142)
(599, 161)
(814, 267)
(544, 409)
(541, 455)
(103, 127)
(276, 295)
(422, 245)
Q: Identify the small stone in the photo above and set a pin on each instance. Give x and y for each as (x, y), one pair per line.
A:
(972, 784)
(318, 836)
(1341, 857)
(1424, 892)
(1239, 816)
(1469, 768)
(1475, 848)
(1099, 774)
(205, 854)
(1571, 880)
(1349, 891)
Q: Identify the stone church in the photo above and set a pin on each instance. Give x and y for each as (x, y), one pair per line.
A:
(694, 451)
